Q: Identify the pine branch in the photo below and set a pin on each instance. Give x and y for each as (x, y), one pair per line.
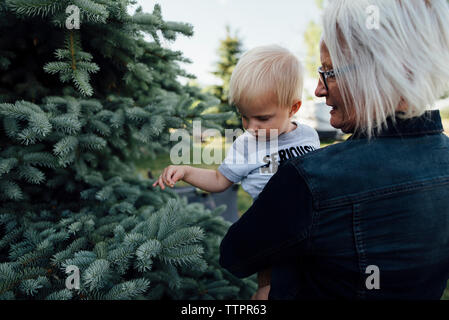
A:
(31, 286)
(10, 190)
(64, 294)
(137, 114)
(7, 164)
(43, 159)
(120, 257)
(11, 127)
(169, 219)
(76, 64)
(15, 111)
(128, 290)
(81, 80)
(67, 124)
(82, 259)
(183, 237)
(95, 12)
(145, 254)
(32, 8)
(65, 145)
(185, 255)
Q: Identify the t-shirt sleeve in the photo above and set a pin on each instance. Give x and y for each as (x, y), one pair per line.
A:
(235, 167)
(274, 229)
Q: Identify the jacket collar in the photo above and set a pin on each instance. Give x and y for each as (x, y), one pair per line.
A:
(428, 123)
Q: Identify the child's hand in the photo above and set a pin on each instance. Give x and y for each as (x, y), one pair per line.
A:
(170, 176)
(261, 293)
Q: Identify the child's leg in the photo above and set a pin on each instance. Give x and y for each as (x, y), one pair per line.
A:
(264, 278)
(263, 281)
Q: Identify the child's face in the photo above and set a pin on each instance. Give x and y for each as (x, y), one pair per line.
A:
(264, 114)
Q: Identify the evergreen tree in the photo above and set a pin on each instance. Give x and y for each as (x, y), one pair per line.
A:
(77, 108)
(312, 40)
(229, 51)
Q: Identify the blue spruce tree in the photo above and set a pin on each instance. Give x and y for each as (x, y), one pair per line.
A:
(77, 108)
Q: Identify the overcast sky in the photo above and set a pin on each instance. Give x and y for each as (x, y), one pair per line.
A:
(258, 22)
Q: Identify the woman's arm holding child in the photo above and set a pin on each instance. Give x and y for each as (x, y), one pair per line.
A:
(206, 179)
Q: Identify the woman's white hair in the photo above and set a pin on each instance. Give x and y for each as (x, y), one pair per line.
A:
(264, 70)
(405, 60)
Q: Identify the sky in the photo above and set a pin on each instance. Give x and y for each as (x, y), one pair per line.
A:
(257, 22)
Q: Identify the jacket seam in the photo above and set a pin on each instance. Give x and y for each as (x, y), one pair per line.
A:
(315, 214)
(386, 191)
(409, 134)
(396, 135)
(313, 228)
(360, 248)
(307, 181)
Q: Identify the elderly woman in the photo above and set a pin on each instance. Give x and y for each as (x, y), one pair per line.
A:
(367, 218)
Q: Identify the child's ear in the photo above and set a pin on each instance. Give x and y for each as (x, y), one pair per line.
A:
(295, 107)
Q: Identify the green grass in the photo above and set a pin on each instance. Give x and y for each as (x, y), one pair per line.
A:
(445, 120)
(444, 113)
(445, 295)
(244, 201)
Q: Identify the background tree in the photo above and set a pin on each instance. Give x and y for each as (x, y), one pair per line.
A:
(77, 108)
(229, 52)
(312, 37)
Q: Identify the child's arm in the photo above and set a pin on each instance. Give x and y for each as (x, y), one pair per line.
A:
(206, 179)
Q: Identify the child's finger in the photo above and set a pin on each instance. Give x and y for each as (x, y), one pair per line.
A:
(170, 174)
(161, 183)
(164, 177)
(176, 176)
(161, 177)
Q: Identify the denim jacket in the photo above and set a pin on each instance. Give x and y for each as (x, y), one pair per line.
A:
(362, 219)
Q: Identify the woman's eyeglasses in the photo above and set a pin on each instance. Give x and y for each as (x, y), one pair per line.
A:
(331, 73)
(324, 75)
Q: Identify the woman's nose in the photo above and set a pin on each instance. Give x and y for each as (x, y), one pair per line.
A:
(320, 90)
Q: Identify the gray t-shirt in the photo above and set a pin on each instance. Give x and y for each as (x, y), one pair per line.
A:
(254, 162)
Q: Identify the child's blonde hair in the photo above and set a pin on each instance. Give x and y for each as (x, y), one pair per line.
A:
(267, 69)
